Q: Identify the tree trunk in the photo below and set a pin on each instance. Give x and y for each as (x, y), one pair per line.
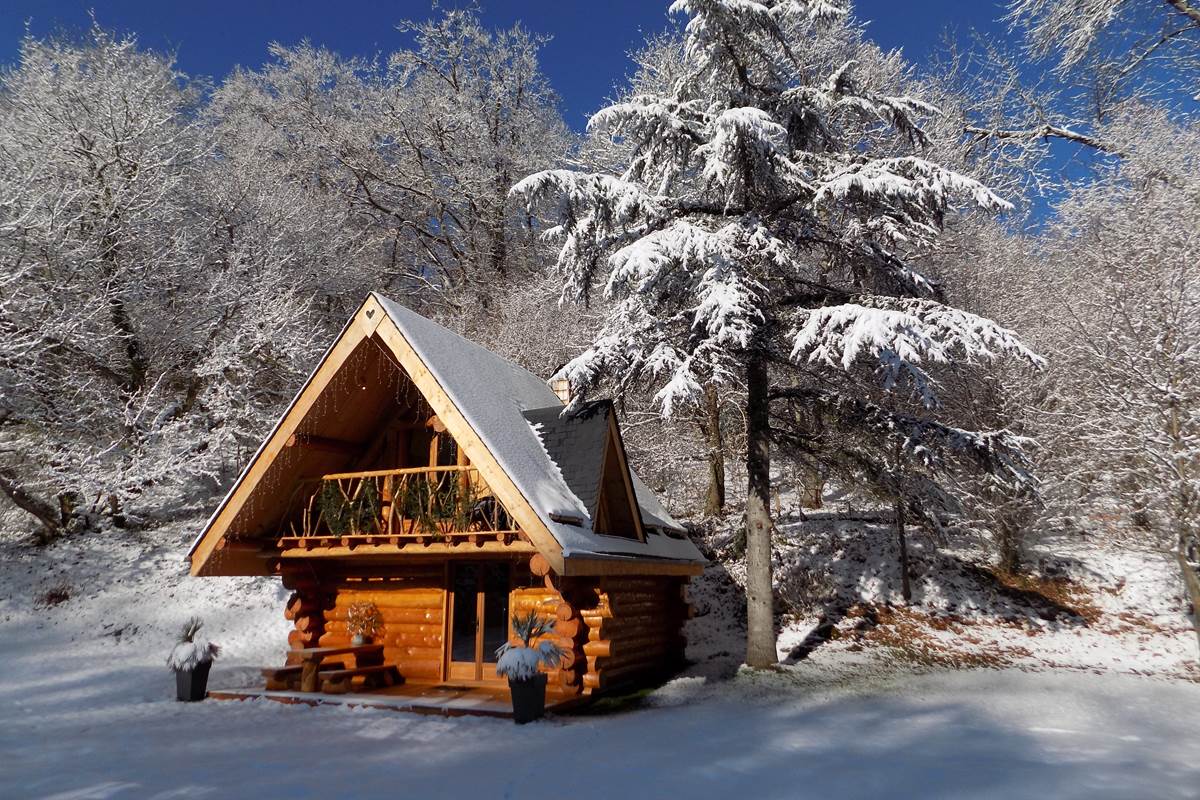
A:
(760, 616)
(1010, 542)
(1192, 582)
(812, 487)
(714, 501)
(905, 586)
(48, 515)
(499, 235)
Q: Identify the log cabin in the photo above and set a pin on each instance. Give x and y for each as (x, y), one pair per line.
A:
(451, 488)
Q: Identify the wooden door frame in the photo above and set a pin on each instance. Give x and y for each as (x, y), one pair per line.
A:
(481, 678)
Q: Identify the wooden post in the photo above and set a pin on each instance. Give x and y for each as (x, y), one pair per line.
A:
(385, 505)
(308, 675)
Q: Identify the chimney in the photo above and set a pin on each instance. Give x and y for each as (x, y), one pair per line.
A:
(562, 388)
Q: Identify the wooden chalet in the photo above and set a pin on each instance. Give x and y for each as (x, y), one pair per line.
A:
(423, 473)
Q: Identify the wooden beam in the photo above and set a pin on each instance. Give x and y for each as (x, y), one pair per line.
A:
(324, 444)
(630, 566)
(432, 549)
(253, 548)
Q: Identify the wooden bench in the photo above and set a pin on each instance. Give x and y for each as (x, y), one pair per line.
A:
(288, 678)
(339, 681)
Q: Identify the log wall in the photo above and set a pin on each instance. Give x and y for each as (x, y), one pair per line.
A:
(410, 598)
(615, 631)
(566, 680)
(633, 629)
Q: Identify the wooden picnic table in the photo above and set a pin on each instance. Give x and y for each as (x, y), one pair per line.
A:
(365, 655)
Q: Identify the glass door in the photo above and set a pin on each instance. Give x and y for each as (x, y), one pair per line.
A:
(478, 618)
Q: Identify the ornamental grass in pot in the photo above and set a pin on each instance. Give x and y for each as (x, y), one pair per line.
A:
(520, 660)
(191, 659)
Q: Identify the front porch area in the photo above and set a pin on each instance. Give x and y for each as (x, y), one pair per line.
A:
(441, 699)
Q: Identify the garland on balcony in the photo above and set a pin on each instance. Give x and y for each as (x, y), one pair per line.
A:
(342, 514)
(434, 503)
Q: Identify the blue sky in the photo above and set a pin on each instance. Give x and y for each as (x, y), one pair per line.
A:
(585, 59)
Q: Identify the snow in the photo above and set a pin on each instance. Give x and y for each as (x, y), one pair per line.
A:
(519, 663)
(912, 737)
(522, 663)
(186, 656)
(901, 334)
(87, 709)
(736, 135)
(1107, 610)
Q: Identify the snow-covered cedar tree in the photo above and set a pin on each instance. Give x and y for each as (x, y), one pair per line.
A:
(762, 232)
(522, 661)
(189, 651)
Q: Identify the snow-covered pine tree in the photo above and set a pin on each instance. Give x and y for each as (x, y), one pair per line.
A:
(763, 226)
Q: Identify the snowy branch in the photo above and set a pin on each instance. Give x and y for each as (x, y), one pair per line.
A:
(899, 335)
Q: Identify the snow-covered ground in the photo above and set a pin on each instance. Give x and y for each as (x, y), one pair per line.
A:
(86, 708)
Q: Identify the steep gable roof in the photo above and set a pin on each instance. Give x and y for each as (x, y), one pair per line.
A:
(586, 445)
(484, 400)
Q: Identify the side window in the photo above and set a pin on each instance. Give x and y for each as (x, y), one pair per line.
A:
(614, 516)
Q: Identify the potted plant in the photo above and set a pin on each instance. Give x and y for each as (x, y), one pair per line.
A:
(520, 661)
(364, 622)
(191, 659)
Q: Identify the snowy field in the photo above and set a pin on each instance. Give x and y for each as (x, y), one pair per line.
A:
(86, 709)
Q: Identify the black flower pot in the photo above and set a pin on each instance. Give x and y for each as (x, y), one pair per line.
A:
(528, 698)
(192, 684)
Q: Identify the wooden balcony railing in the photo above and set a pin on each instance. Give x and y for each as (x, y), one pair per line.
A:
(421, 505)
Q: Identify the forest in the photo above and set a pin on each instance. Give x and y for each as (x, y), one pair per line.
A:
(912, 350)
(816, 278)
(869, 278)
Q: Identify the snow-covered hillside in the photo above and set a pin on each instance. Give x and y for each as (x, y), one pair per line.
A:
(1084, 710)
(1083, 606)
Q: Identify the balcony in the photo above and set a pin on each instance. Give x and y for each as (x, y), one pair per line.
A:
(431, 509)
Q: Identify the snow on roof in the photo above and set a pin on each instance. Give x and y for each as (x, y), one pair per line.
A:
(575, 443)
(494, 396)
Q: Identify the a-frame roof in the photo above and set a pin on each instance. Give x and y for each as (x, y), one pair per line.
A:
(494, 409)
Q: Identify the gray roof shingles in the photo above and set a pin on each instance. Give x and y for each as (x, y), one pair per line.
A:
(576, 444)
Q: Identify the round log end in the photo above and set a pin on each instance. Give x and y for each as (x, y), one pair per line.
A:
(538, 565)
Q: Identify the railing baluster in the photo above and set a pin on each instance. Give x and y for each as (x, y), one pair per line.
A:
(445, 514)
